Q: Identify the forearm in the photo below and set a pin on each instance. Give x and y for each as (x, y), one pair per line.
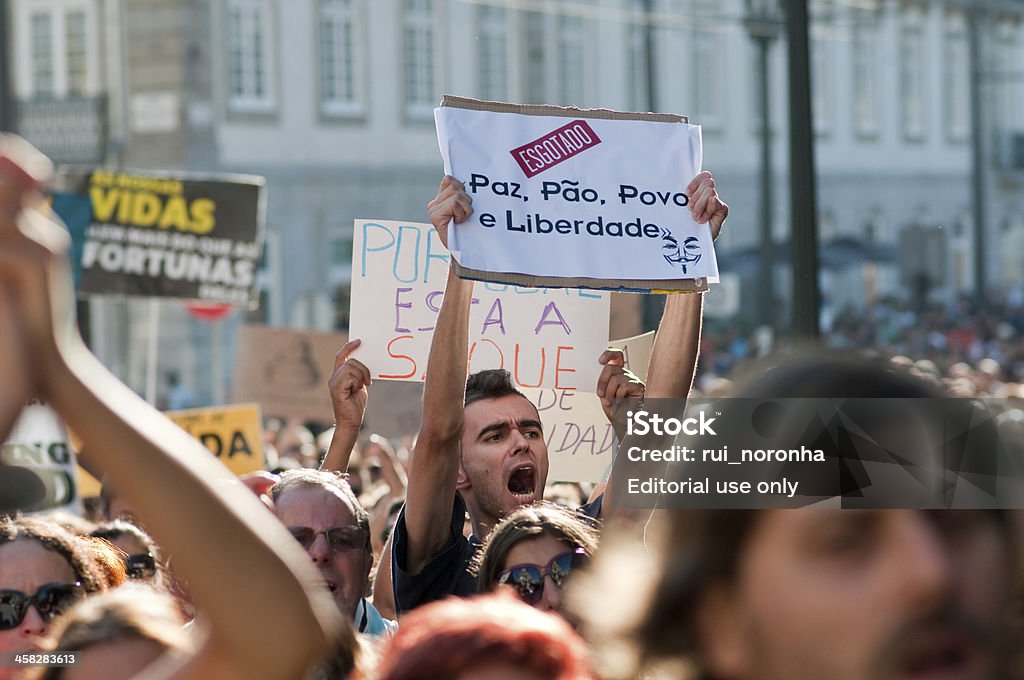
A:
(16, 390)
(200, 514)
(10, 407)
(445, 387)
(435, 463)
(676, 346)
(339, 452)
(669, 375)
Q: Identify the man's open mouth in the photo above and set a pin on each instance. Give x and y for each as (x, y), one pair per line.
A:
(521, 483)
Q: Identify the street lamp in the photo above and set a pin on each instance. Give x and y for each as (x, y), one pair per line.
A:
(802, 184)
(764, 23)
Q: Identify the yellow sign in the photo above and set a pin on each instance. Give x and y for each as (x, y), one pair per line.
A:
(232, 433)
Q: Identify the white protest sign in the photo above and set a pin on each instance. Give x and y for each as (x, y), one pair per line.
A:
(543, 337)
(578, 434)
(37, 467)
(564, 197)
(580, 439)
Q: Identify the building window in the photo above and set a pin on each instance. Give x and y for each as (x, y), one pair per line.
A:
(493, 33)
(420, 92)
(341, 82)
(270, 279)
(555, 57)
(535, 85)
(955, 80)
(250, 50)
(912, 79)
(340, 266)
(42, 54)
(708, 68)
(865, 76)
(1006, 66)
(637, 85)
(75, 45)
(571, 42)
(55, 51)
(339, 274)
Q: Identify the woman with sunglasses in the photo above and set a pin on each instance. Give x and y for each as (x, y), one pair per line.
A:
(535, 550)
(44, 569)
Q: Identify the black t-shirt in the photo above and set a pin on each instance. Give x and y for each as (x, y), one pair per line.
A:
(448, 573)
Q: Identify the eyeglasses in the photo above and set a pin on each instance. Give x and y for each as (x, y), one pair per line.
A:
(140, 566)
(528, 579)
(51, 600)
(341, 539)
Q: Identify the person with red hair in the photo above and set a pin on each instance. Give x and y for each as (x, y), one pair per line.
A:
(492, 636)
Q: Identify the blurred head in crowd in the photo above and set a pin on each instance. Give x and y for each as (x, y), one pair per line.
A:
(44, 569)
(73, 523)
(108, 559)
(354, 475)
(377, 447)
(138, 550)
(565, 494)
(504, 457)
(296, 441)
(534, 551)
(118, 634)
(324, 516)
(814, 593)
(485, 637)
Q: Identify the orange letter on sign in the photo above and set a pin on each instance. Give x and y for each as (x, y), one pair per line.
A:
(412, 361)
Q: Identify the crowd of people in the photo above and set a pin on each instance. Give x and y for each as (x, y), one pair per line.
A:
(451, 556)
(978, 351)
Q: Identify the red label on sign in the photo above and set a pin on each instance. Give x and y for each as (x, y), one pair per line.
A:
(555, 147)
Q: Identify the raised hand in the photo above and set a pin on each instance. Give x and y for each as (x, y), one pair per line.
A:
(451, 203)
(705, 205)
(616, 382)
(348, 385)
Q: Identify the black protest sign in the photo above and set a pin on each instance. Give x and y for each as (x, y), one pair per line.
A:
(169, 235)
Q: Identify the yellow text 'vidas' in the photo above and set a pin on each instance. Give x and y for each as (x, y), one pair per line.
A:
(149, 202)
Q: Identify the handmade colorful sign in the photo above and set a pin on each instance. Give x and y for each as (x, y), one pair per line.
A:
(543, 337)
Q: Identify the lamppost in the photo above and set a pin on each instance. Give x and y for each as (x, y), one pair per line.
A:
(978, 205)
(764, 23)
(802, 184)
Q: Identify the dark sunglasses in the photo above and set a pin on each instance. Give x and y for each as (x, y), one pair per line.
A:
(140, 566)
(528, 579)
(51, 600)
(341, 539)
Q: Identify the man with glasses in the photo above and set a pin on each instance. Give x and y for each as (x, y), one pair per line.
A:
(324, 516)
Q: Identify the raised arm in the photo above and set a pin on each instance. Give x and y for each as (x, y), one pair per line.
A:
(434, 467)
(673, 362)
(17, 388)
(677, 343)
(271, 624)
(348, 385)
